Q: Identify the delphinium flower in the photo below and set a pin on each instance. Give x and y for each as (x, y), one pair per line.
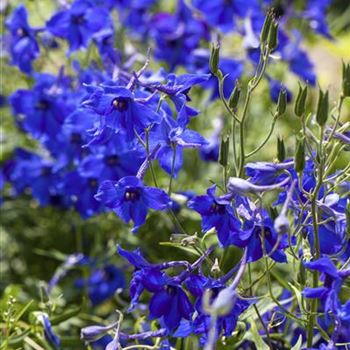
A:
(23, 44)
(333, 280)
(173, 136)
(169, 301)
(41, 175)
(131, 199)
(42, 110)
(102, 283)
(216, 211)
(177, 35)
(120, 110)
(49, 333)
(79, 23)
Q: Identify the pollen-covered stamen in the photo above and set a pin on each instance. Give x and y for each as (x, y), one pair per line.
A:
(21, 32)
(92, 182)
(121, 104)
(217, 208)
(132, 194)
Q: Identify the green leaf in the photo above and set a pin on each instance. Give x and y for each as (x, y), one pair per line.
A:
(22, 311)
(256, 338)
(71, 312)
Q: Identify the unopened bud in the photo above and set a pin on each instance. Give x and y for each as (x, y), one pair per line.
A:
(322, 108)
(282, 101)
(266, 27)
(272, 38)
(281, 150)
(215, 269)
(224, 302)
(299, 107)
(93, 333)
(214, 58)
(346, 80)
(224, 151)
(234, 98)
(299, 163)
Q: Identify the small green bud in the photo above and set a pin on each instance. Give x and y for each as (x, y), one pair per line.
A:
(299, 161)
(224, 151)
(282, 101)
(281, 151)
(266, 27)
(214, 58)
(346, 80)
(322, 108)
(299, 107)
(272, 40)
(234, 98)
(301, 277)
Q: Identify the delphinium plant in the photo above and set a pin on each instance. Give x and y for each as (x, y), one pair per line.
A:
(211, 249)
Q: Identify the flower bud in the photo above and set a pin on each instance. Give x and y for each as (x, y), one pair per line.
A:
(224, 151)
(281, 224)
(281, 150)
(273, 33)
(214, 58)
(224, 302)
(322, 108)
(299, 163)
(266, 27)
(346, 80)
(282, 101)
(299, 107)
(234, 98)
(93, 333)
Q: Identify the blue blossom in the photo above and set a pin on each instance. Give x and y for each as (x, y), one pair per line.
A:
(79, 23)
(23, 44)
(130, 199)
(177, 35)
(103, 283)
(173, 137)
(49, 333)
(216, 212)
(120, 110)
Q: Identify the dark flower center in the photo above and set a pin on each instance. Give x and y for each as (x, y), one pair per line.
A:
(132, 194)
(43, 105)
(217, 208)
(45, 170)
(92, 182)
(112, 160)
(75, 138)
(78, 19)
(120, 103)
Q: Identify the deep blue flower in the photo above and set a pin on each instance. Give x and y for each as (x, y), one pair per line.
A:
(216, 212)
(177, 35)
(79, 23)
(316, 15)
(23, 45)
(173, 137)
(103, 283)
(120, 110)
(42, 110)
(130, 199)
(50, 335)
(333, 279)
(275, 88)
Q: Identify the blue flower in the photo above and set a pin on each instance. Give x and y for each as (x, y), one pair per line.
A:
(216, 212)
(50, 335)
(120, 110)
(177, 35)
(173, 137)
(44, 107)
(79, 23)
(103, 283)
(130, 199)
(23, 45)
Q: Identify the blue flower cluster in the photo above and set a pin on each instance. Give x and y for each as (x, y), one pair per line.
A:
(101, 127)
